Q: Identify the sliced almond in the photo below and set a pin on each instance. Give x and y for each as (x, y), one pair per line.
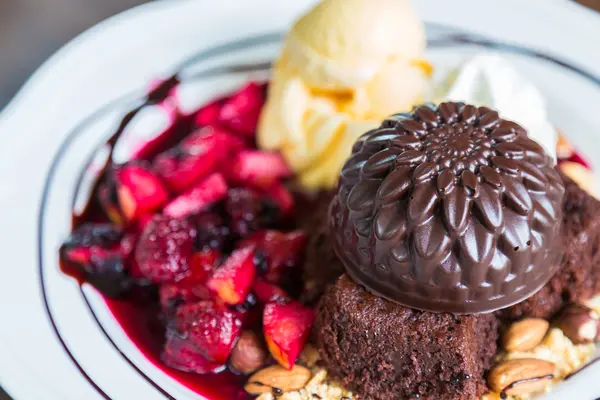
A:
(564, 149)
(579, 323)
(278, 379)
(524, 335)
(581, 175)
(521, 376)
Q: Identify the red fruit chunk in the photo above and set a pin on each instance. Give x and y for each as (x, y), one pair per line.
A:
(180, 353)
(258, 168)
(83, 255)
(172, 295)
(196, 156)
(139, 191)
(267, 292)
(143, 220)
(286, 327)
(191, 288)
(241, 111)
(212, 189)
(165, 249)
(279, 195)
(221, 140)
(180, 170)
(209, 114)
(232, 281)
(576, 157)
(203, 264)
(280, 250)
(211, 328)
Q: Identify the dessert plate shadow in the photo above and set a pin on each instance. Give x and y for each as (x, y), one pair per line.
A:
(64, 337)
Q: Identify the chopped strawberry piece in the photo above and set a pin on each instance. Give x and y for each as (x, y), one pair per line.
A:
(139, 191)
(241, 111)
(211, 328)
(258, 168)
(280, 250)
(190, 288)
(209, 114)
(576, 157)
(286, 327)
(203, 264)
(165, 249)
(232, 281)
(180, 353)
(280, 196)
(182, 170)
(224, 142)
(267, 292)
(196, 156)
(210, 190)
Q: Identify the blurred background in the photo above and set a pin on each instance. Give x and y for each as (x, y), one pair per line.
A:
(31, 30)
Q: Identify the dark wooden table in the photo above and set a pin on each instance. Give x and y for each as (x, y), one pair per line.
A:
(31, 30)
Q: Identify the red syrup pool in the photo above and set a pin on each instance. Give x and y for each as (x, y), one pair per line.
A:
(138, 311)
(138, 316)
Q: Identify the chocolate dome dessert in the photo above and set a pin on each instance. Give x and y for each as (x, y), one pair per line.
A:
(449, 209)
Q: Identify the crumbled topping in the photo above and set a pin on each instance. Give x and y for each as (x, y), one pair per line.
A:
(320, 387)
(556, 348)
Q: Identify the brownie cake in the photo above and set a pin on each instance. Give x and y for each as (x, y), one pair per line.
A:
(449, 210)
(578, 277)
(386, 351)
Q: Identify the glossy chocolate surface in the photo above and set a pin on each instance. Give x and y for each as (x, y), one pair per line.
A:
(449, 209)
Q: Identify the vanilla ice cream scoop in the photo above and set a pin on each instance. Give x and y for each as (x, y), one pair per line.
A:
(344, 66)
(341, 44)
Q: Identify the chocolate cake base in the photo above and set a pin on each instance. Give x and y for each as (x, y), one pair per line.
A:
(578, 277)
(385, 351)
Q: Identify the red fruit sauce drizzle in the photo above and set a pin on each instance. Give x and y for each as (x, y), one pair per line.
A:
(138, 313)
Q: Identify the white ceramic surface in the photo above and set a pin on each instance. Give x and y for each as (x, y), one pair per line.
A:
(123, 54)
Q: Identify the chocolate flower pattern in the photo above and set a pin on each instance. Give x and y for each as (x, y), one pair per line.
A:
(449, 208)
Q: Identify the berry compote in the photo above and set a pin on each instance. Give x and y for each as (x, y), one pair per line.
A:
(193, 244)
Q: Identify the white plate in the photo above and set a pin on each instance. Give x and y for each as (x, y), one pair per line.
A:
(73, 359)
